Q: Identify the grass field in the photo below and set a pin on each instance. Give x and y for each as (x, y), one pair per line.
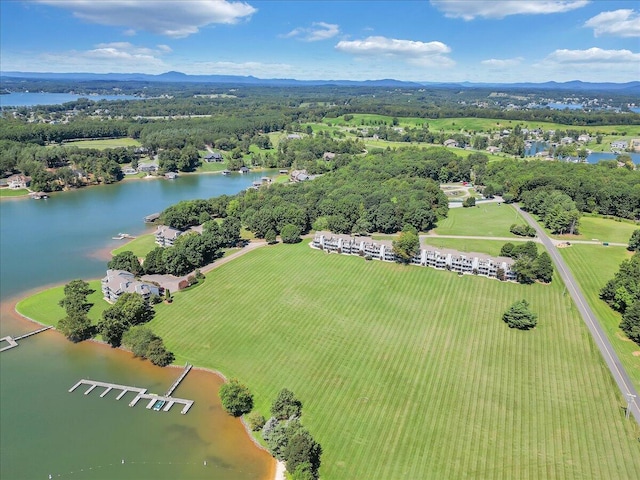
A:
(140, 246)
(484, 220)
(43, 306)
(477, 124)
(603, 230)
(593, 266)
(10, 192)
(104, 143)
(409, 372)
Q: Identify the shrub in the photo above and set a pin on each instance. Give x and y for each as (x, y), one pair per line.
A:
(469, 202)
(255, 421)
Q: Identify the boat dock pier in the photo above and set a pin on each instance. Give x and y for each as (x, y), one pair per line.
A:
(175, 384)
(13, 341)
(156, 402)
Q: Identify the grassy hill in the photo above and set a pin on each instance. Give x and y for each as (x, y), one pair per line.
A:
(409, 372)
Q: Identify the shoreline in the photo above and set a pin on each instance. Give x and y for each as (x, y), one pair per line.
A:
(277, 469)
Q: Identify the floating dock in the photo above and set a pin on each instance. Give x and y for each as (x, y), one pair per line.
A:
(13, 341)
(156, 402)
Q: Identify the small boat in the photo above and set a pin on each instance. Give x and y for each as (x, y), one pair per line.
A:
(226, 172)
(122, 236)
(158, 405)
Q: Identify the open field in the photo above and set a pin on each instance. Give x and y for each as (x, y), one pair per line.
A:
(409, 372)
(10, 192)
(140, 246)
(490, 247)
(483, 220)
(593, 266)
(602, 230)
(104, 143)
(43, 306)
(478, 124)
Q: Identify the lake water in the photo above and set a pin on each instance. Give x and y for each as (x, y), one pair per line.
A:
(593, 157)
(45, 430)
(29, 99)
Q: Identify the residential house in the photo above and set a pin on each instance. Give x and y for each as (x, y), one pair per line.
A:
(619, 145)
(166, 236)
(118, 282)
(213, 157)
(244, 170)
(15, 182)
(584, 138)
(450, 143)
(148, 167)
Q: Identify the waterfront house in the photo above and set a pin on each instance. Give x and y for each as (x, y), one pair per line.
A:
(171, 175)
(129, 171)
(16, 182)
(148, 167)
(166, 236)
(213, 157)
(244, 170)
(118, 282)
(619, 145)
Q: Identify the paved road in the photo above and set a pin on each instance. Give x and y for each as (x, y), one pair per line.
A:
(613, 362)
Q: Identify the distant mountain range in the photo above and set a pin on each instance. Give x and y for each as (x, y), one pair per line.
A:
(179, 77)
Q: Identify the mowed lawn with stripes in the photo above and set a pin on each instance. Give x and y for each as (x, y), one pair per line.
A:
(593, 266)
(408, 372)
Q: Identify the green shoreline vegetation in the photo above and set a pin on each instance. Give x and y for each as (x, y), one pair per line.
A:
(229, 324)
(404, 372)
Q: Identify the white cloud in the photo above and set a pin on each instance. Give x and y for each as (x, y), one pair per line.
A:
(421, 54)
(502, 63)
(390, 46)
(468, 10)
(257, 69)
(172, 18)
(594, 57)
(118, 57)
(318, 31)
(619, 23)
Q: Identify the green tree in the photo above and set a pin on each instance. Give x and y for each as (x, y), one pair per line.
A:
(271, 237)
(236, 398)
(76, 327)
(634, 241)
(158, 354)
(154, 262)
(126, 261)
(137, 339)
(631, 322)
(407, 245)
(286, 405)
(302, 449)
(519, 316)
(469, 202)
(112, 329)
(290, 234)
(543, 268)
(130, 309)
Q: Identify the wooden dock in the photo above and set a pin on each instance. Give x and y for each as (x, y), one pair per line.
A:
(13, 341)
(141, 393)
(175, 384)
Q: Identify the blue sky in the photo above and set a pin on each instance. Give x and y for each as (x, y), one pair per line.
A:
(418, 40)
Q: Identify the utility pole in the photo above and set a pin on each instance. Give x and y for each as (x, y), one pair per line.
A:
(630, 398)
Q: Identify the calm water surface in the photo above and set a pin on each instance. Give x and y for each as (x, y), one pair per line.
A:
(29, 99)
(45, 430)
